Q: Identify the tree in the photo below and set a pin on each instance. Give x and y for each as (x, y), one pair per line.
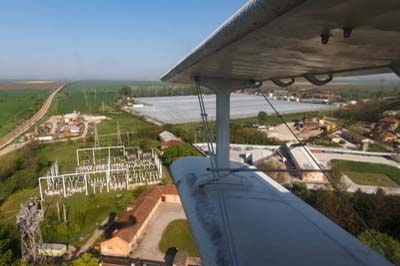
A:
(177, 151)
(391, 245)
(262, 117)
(9, 245)
(125, 90)
(86, 260)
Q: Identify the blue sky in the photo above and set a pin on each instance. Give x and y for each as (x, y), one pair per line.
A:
(99, 39)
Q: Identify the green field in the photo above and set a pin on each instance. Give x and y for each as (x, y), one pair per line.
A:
(368, 173)
(371, 179)
(84, 214)
(19, 105)
(85, 97)
(178, 235)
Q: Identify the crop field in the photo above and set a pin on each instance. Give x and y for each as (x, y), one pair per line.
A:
(85, 97)
(30, 85)
(16, 106)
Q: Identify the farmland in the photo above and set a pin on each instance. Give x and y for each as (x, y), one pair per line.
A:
(19, 105)
(30, 85)
(85, 97)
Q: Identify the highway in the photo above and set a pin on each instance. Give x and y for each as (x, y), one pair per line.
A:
(11, 136)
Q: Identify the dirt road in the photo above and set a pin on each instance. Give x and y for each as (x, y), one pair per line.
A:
(10, 137)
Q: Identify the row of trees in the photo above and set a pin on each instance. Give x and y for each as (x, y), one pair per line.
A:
(159, 91)
(362, 111)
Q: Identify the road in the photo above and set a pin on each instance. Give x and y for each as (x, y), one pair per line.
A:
(11, 136)
(96, 234)
(353, 187)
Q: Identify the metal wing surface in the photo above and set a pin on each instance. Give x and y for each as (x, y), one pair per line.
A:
(249, 219)
(276, 39)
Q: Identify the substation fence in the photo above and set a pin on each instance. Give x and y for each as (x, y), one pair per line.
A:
(95, 175)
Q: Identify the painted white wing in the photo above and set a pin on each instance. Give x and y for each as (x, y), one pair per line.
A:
(249, 219)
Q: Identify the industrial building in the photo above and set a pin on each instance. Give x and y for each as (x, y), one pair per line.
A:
(130, 227)
(304, 159)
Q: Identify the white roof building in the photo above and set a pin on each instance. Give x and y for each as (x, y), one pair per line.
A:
(304, 159)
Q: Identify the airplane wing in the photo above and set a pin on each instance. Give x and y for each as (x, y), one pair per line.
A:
(279, 39)
(249, 219)
(246, 218)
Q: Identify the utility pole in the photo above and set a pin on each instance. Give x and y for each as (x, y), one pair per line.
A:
(28, 221)
(119, 140)
(96, 138)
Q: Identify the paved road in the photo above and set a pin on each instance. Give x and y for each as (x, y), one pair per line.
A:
(353, 187)
(147, 248)
(10, 137)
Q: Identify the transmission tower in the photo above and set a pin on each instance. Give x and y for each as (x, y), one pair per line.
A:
(119, 140)
(96, 138)
(28, 220)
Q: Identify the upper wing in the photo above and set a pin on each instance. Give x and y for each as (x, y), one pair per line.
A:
(277, 39)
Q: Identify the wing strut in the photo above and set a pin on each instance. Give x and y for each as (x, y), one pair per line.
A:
(204, 118)
(223, 89)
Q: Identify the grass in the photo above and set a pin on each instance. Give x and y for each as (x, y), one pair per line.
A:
(368, 173)
(85, 97)
(84, 214)
(178, 234)
(371, 179)
(10, 208)
(19, 105)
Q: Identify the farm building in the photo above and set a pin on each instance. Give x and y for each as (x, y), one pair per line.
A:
(53, 249)
(167, 139)
(130, 227)
(44, 138)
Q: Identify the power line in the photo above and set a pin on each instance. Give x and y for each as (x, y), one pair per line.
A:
(331, 181)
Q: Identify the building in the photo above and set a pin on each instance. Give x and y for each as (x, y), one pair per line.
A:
(304, 159)
(389, 123)
(53, 249)
(388, 137)
(67, 118)
(44, 138)
(131, 225)
(352, 137)
(167, 139)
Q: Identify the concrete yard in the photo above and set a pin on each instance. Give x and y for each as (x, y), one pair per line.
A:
(183, 109)
(147, 247)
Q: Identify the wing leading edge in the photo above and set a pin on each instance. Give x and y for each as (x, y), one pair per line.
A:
(280, 39)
